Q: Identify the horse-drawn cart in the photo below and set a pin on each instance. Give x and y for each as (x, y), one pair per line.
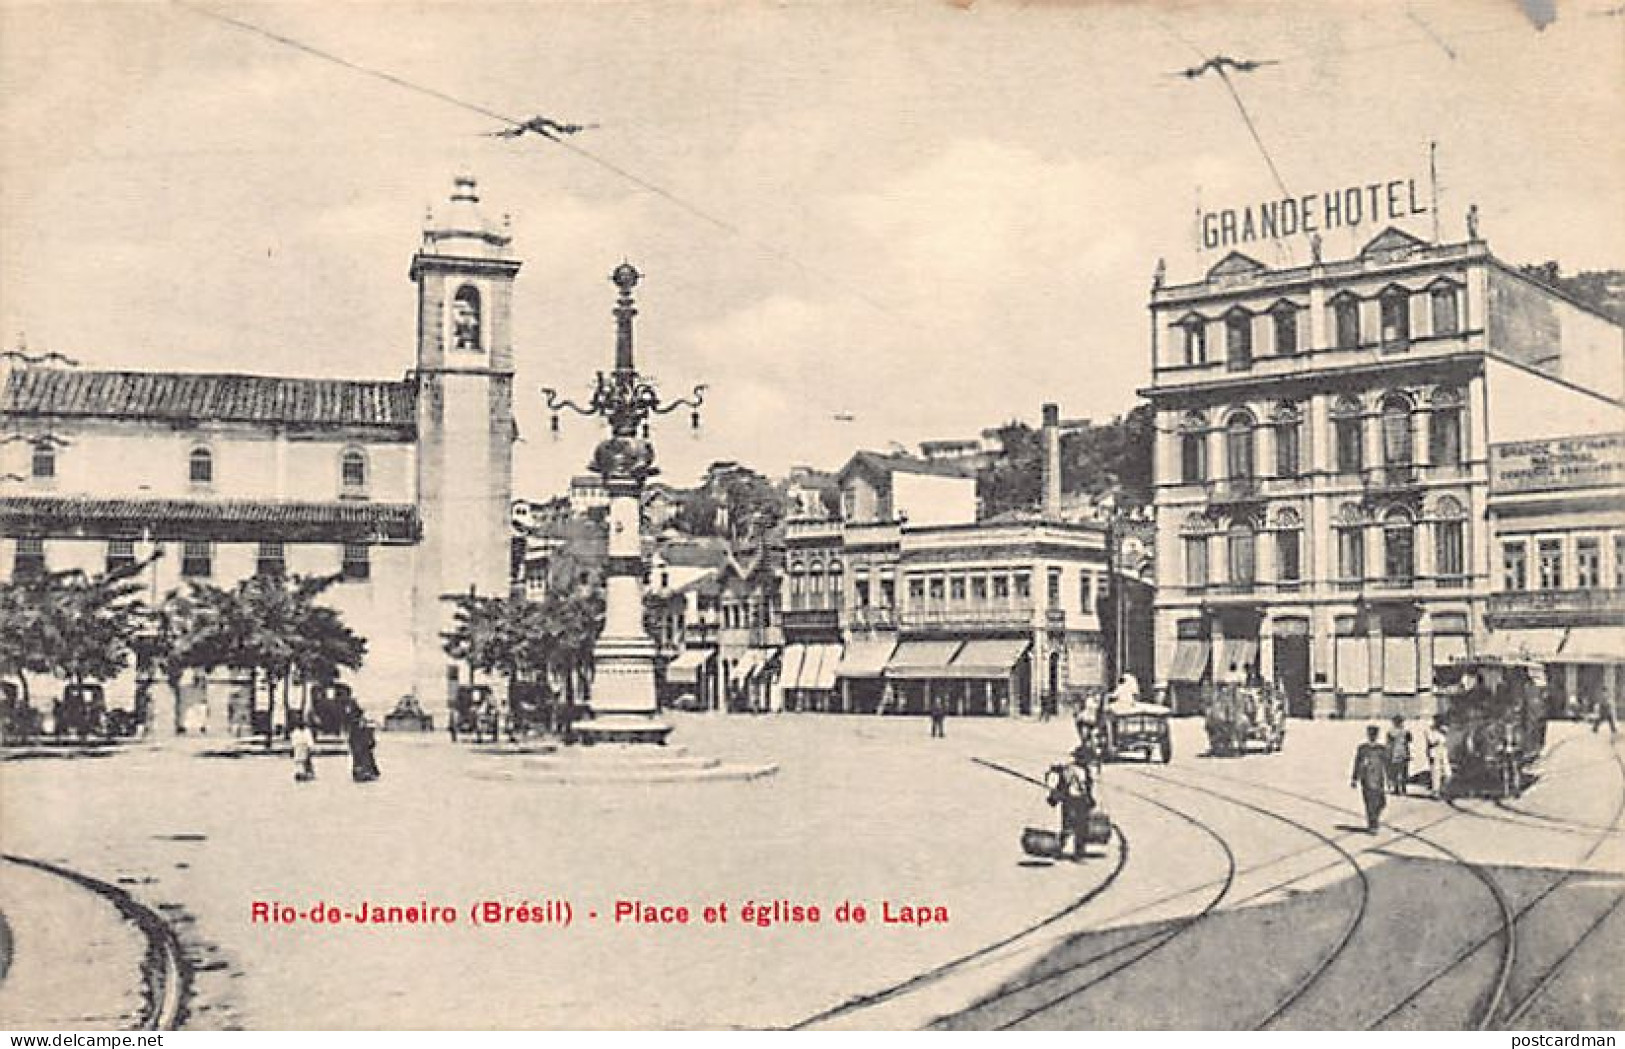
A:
(1243, 717)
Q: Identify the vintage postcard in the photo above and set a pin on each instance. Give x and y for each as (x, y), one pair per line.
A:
(674, 515)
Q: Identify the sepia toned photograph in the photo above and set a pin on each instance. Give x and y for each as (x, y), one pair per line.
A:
(668, 515)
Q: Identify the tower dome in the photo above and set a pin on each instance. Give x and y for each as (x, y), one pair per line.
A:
(461, 228)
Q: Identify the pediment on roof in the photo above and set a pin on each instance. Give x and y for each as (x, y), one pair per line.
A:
(1391, 240)
(1236, 264)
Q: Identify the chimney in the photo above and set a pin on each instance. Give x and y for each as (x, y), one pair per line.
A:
(1050, 437)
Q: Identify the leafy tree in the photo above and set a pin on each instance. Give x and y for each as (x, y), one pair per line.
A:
(89, 622)
(23, 631)
(1014, 480)
(697, 513)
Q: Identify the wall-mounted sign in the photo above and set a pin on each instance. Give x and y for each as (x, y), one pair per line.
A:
(1562, 462)
(1345, 208)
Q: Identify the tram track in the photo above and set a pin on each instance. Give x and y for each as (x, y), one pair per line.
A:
(1507, 917)
(1159, 938)
(165, 975)
(946, 969)
(1518, 1010)
(1351, 926)
(1152, 942)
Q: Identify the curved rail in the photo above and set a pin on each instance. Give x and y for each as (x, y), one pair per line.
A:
(1518, 1010)
(1341, 943)
(1157, 940)
(165, 976)
(864, 1001)
(1508, 930)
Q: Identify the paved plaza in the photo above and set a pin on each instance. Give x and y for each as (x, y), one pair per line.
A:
(1223, 857)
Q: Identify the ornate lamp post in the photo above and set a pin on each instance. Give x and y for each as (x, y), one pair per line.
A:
(623, 703)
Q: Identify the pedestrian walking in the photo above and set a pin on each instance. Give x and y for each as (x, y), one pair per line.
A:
(363, 743)
(1437, 741)
(939, 716)
(1072, 787)
(1371, 776)
(1399, 756)
(304, 751)
(1602, 709)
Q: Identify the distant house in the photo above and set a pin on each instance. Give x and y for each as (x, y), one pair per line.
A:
(811, 494)
(878, 487)
(587, 492)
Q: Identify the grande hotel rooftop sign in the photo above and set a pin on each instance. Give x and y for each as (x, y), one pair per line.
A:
(1372, 204)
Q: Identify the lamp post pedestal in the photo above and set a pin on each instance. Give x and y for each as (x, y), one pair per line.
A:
(624, 705)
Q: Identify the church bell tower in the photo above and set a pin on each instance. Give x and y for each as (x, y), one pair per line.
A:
(464, 274)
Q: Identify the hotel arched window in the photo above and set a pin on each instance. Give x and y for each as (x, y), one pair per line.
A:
(1288, 546)
(1348, 435)
(1398, 546)
(1238, 445)
(1449, 540)
(1193, 449)
(1284, 322)
(1241, 541)
(353, 471)
(465, 319)
(1288, 424)
(1195, 335)
(43, 463)
(1194, 540)
(1444, 428)
(1396, 318)
(1238, 340)
(200, 467)
(1350, 544)
(1446, 311)
(1346, 321)
(1398, 438)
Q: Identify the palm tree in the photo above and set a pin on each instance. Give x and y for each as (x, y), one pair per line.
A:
(268, 634)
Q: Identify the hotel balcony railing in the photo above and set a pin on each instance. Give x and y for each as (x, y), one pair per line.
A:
(872, 617)
(1568, 602)
(1233, 489)
(1391, 478)
(812, 618)
(966, 618)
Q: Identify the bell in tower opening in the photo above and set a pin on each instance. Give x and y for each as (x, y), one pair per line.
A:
(465, 319)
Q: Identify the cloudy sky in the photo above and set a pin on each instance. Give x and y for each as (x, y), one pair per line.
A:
(930, 217)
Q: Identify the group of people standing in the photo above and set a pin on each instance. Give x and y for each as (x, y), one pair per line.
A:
(1382, 766)
(361, 737)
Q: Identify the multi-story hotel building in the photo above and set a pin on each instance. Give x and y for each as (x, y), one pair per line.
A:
(402, 486)
(1321, 461)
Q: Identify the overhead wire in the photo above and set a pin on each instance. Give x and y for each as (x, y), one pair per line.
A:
(605, 163)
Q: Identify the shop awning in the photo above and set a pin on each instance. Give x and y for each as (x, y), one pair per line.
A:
(988, 658)
(1189, 662)
(1593, 644)
(684, 669)
(1235, 658)
(790, 672)
(865, 657)
(818, 669)
(1530, 643)
(748, 663)
(922, 659)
